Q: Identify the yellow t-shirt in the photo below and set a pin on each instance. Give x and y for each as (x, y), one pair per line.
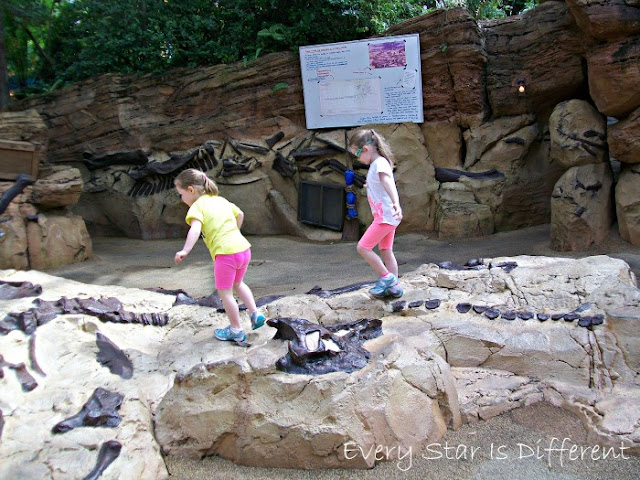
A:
(219, 227)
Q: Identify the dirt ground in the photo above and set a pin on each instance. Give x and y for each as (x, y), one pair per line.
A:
(516, 445)
(288, 265)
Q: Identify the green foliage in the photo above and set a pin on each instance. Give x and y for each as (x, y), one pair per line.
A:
(24, 24)
(485, 9)
(77, 39)
(279, 86)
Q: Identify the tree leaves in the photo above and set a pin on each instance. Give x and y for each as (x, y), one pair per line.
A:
(86, 38)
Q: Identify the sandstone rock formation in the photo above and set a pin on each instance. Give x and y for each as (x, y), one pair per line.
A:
(537, 329)
(582, 207)
(625, 146)
(37, 230)
(628, 204)
(578, 134)
(581, 203)
(475, 119)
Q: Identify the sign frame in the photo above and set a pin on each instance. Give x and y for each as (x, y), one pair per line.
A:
(376, 80)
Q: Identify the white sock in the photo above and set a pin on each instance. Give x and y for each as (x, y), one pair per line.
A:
(236, 330)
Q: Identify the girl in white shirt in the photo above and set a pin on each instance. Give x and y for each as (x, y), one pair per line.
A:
(371, 148)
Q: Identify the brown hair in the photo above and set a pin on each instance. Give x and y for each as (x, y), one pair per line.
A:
(196, 179)
(369, 136)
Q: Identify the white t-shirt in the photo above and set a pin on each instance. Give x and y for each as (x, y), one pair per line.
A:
(379, 200)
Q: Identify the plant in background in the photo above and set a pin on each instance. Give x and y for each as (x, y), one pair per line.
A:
(53, 42)
(23, 27)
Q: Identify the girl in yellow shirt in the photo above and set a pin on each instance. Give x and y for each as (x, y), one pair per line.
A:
(219, 222)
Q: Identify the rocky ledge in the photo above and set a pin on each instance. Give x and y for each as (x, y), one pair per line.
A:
(88, 392)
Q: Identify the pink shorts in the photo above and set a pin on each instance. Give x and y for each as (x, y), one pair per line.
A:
(230, 269)
(381, 234)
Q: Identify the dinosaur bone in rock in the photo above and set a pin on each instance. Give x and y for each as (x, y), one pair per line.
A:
(213, 300)
(99, 411)
(133, 157)
(13, 290)
(320, 292)
(27, 382)
(109, 451)
(493, 313)
(316, 349)
(108, 309)
(16, 189)
(155, 177)
(112, 357)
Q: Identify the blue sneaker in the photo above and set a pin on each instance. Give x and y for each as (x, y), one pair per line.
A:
(382, 285)
(394, 291)
(257, 319)
(226, 335)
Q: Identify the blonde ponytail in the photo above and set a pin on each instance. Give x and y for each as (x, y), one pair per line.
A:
(196, 179)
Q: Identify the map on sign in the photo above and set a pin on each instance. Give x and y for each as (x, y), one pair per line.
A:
(346, 97)
(367, 81)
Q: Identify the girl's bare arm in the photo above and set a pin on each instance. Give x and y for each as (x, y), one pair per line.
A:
(192, 238)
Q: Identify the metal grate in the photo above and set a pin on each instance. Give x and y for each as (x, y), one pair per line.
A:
(321, 204)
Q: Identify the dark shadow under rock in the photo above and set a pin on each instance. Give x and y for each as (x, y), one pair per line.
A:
(110, 355)
(109, 451)
(99, 411)
(444, 175)
(316, 349)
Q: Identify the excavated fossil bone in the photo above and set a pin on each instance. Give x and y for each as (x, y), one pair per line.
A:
(109, 451)
(316, 349)
(99, 411)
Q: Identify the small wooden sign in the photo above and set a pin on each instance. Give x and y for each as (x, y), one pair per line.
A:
(16, 158)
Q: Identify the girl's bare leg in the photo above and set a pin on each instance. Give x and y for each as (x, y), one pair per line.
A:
(246, 295)
(231, 307)
(390, 261)
(373, 260)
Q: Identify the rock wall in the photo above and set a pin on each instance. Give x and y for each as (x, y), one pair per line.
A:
(37, 228)
(476, 120)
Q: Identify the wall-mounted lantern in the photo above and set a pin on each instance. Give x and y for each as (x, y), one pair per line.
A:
(522, 86)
